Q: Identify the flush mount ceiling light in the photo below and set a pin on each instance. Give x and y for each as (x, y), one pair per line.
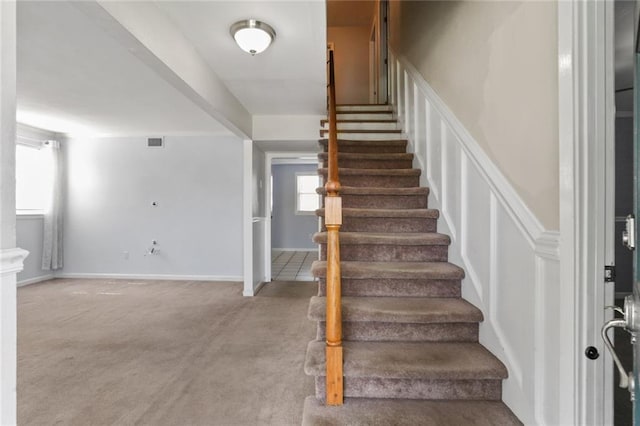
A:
(252, 36)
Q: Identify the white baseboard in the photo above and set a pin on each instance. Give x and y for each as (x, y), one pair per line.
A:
(35, 280)
(150, 277)
(255, 290)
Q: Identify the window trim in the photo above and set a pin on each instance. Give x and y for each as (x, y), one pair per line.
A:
(37, 145)
(299, 212)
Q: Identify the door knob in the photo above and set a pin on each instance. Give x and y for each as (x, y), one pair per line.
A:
(625, 377)
(630, 322)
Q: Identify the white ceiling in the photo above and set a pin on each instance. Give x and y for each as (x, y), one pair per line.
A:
(75, 78)
(288, 78)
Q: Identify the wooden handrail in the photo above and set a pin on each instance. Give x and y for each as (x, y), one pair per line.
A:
(333, 221)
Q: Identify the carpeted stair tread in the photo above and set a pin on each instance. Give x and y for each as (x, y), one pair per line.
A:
(373, 172)
(355, 142)
(384, 412)
(363, 190)
(388, 213)
(363, 107)
(392, 270)
(410, 341)
(372, 238)
(369, 156)
(410, 360)
(339, 120)
(323, 132)
(420, 310)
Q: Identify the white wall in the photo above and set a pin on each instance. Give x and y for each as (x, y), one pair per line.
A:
(260, 220)
(10, 256)
(511, 261)
(288, 229)
(110, 186)
(29, 229)
(286, 127)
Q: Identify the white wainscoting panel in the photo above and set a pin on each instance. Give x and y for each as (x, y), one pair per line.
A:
(511, 262)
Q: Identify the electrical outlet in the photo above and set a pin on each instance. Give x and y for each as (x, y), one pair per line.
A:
(125, 255)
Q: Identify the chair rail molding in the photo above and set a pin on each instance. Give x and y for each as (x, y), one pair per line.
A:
(12, 260)
(511, 261)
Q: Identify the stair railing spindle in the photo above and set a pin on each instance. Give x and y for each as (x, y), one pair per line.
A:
(333, 221)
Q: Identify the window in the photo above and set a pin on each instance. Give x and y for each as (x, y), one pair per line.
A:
(33, 170)
(307, 200)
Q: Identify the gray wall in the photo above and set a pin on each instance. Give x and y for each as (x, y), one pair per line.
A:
(29, 230)
(288, 230)
(259, 208)
(111, 184)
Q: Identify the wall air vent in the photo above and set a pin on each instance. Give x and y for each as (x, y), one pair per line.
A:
(155, 142)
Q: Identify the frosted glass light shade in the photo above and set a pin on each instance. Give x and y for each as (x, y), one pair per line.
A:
(252, 36)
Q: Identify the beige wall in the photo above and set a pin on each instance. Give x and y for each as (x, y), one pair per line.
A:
(351, 56)
(495, 65)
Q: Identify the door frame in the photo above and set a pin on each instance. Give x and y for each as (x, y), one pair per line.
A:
(586, 118)
(296, 157)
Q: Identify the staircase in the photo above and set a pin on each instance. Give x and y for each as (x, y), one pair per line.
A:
(411, 351)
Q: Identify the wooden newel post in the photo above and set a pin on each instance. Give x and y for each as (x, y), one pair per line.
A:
(333, 220)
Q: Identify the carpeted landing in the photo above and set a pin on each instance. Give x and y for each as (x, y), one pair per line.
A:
(411, 351)
(95, 352)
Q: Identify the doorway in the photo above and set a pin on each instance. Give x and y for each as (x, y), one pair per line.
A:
(624, 34)
(291, 225)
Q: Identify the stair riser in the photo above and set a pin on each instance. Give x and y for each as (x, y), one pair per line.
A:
(364, 116)
(378, 287)
(389, 253)
(372, 164)
(366, 136)
(405, 332)
(363, 108)
(364, 387)
(386, 224)
(378, 181)
(384, 201)
(364, 126)
(364, 148)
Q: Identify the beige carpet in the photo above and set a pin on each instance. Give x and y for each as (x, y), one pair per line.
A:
(95, 352)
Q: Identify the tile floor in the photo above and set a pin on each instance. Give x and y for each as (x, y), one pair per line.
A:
(292, 265)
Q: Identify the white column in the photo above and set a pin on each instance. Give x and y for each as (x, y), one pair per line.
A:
(247, 217)
(10, 257)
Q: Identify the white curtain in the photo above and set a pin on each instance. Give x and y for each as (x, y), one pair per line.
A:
(52, 241)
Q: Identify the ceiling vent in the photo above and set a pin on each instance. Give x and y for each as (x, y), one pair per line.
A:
(155, 142)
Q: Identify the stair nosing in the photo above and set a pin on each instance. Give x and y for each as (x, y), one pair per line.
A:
(390, 213)
(392, 270)
(389, 238)
(419, 311)
(360, 361)
(367, 141)
(375, 190)
(380, 172)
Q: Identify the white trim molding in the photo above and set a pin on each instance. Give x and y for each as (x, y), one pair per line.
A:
(35, 280)
(511, 261)
(586, 120)
(234, 278)
(12, 260)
